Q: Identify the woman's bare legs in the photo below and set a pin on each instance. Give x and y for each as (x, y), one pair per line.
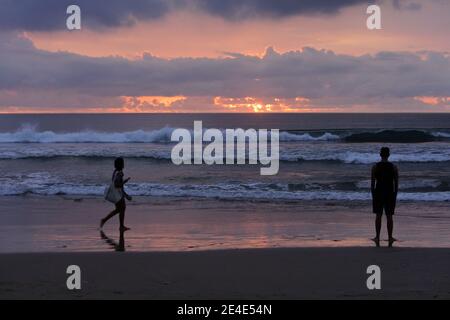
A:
(122, 220)
(120, 209)
(109, 216)
(121, 206)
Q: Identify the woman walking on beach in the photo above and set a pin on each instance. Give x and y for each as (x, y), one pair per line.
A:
(118, 182)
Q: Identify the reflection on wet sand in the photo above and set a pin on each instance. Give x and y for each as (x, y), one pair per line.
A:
(116, 246)
(38, 224)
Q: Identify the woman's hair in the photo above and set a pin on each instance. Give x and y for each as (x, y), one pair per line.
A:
(119, 163)
(385, 152)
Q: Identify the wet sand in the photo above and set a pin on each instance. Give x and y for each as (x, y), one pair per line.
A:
(69, 224)
(300, 273)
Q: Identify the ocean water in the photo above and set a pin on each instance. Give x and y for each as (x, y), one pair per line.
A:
(323, 156)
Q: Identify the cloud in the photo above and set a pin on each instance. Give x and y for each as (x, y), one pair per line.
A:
(406, 5)
(50, 15)
(323, 77)
(243, 9)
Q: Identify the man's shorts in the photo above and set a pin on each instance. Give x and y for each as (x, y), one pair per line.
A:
(384, 202)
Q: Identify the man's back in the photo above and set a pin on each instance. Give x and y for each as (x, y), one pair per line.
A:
(385, 174)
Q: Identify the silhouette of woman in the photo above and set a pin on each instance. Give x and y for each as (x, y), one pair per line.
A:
(119, 182)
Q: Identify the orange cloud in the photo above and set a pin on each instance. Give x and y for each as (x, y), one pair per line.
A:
(149, 103)
(434, 101)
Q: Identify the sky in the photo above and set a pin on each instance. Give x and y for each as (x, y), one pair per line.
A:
(224, 56)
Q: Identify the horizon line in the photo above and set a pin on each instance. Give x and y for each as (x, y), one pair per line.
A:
(227, 113)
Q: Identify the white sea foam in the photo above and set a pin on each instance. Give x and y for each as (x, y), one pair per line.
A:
(110, 151)
(44, 184)
(407, 184)
(366, 157)
(442, 134)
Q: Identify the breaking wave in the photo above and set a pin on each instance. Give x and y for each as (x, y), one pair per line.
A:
(29, 134)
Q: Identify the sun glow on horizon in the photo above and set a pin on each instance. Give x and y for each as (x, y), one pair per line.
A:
(262, 105)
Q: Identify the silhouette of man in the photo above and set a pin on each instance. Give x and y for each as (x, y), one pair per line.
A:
(384, 187)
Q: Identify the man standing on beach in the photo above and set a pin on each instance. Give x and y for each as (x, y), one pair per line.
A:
(384, 187)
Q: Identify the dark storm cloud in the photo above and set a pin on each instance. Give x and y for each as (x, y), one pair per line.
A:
(47, 15)
(241, 9)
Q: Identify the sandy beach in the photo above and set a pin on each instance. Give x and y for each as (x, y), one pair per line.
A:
(302, 273)
(189, 249)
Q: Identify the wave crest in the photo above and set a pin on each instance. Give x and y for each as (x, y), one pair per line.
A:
(28, 134)
(288, 136)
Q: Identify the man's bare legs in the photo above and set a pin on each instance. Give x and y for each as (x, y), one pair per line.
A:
(390, 228)
(377, 229)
